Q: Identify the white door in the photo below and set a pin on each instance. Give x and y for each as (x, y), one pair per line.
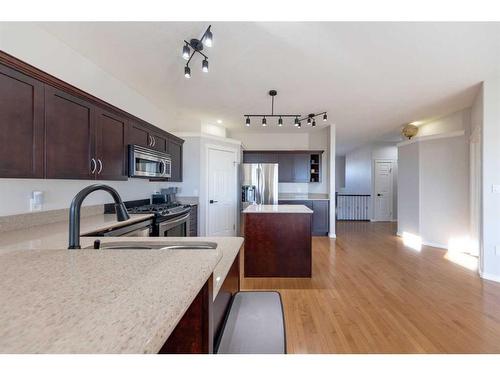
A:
(222, 180)
(383, 191)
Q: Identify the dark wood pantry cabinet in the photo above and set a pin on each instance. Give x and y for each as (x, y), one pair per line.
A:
(50, 129)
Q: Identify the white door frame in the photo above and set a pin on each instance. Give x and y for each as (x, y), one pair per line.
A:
(475, 191)
(216, 147)
(392, 161)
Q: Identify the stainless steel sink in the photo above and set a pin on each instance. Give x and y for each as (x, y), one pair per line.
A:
(153, 245)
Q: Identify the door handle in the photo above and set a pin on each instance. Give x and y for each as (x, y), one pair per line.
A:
(100, 166)
(212, 201)
(93, 166)
(379, 195)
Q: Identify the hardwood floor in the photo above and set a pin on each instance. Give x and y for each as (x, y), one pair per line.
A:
(371, 294)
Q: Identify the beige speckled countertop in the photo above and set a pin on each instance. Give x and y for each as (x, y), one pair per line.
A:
(55, 235)
(102, 301)
(277, 208)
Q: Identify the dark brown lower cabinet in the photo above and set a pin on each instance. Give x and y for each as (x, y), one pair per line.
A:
(321, 214)
(194, 332)
(278, 244)
(69, 136)
(21, 125)
(199, 329)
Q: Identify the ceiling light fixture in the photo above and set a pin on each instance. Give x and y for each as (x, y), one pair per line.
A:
(197, 46)
(272, 94)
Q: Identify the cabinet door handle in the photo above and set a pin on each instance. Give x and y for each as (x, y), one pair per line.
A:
(150, 141)
(93, 166)
(154, 141)
(100, 166)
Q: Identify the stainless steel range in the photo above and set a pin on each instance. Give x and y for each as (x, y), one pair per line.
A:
(170, 220)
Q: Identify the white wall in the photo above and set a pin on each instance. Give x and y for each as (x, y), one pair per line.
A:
(359, 170)
(409, 189)
(433, 183)
(332, 175)
(35, 46)
(444, 190)
(459, 120)
(272, 141)
(339, 173)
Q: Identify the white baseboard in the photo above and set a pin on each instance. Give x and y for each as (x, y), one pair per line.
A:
(433, 244)
(332, 235)
(490, 277)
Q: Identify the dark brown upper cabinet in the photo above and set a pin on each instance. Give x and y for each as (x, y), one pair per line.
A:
(301, 167)
(285, 169)
(111, 146)
(69, 136)
(50, 129)
(294, 166)
(175, 151)
(21, 125)
(138, 135)
(159, 142)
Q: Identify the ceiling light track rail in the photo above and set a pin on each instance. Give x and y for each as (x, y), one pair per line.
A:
(311, 117)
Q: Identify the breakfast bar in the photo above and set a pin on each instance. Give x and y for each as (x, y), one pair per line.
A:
(277, 241)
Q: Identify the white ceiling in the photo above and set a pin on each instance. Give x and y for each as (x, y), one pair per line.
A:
(370, 77)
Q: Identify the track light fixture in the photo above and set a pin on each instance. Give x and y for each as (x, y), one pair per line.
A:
(272, 93)
(197, 46)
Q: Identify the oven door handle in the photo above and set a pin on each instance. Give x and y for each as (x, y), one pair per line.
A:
(177, 220)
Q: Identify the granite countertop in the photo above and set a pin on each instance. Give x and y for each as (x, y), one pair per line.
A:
(102, 301)
(303, 196)
(55, 235)
(277, 208)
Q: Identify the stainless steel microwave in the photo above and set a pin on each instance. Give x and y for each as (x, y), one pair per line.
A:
(146, 163)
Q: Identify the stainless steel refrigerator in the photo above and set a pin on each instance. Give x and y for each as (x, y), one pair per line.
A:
(259, 184)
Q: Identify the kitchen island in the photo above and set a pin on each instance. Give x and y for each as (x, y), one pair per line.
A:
(277, 241)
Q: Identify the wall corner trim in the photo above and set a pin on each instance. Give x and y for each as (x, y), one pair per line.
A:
(332, 235)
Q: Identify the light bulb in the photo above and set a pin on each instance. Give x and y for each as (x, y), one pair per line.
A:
(187, 72)
(208, 40)
(186, 52)
(204, 66)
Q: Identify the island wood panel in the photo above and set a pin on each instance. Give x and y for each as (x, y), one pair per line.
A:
(222, 303)
(277, 244)
(194, 332)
